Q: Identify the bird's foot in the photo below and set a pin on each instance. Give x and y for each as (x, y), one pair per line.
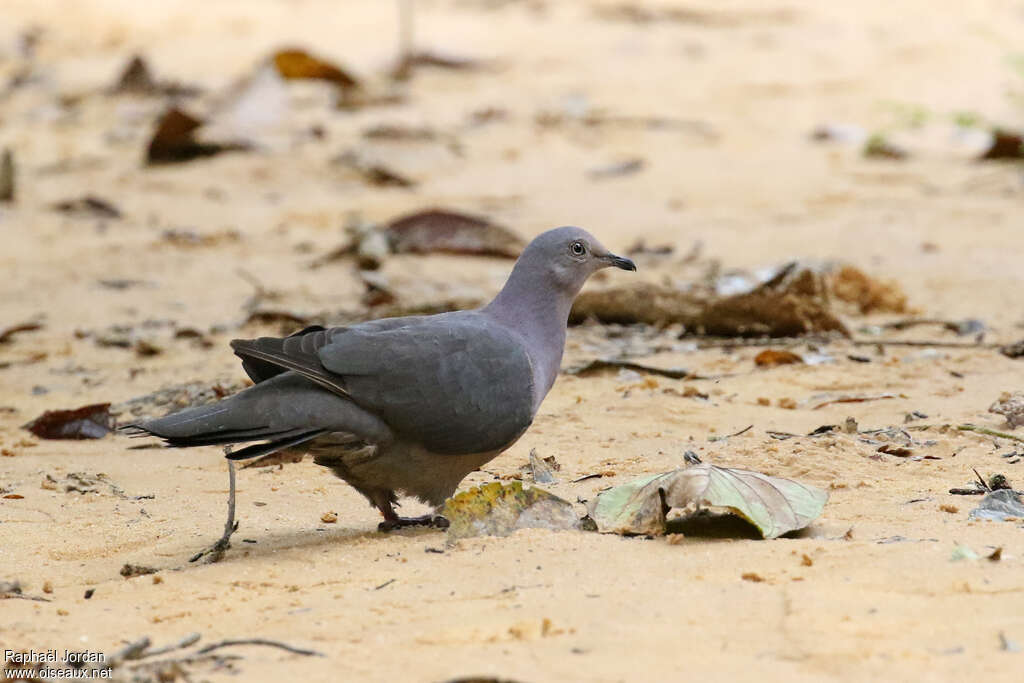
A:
(396, 522)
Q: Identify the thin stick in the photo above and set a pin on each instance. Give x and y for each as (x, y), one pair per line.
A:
(259, 641)
(989, 432)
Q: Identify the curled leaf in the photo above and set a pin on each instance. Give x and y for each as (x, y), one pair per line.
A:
(775, 506)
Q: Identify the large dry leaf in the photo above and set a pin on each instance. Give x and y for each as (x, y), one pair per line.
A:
(88, 422)
(438, 230)
(497, 509)
(775, 506)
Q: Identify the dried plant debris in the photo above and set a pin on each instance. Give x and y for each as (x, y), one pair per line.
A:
(770, 358)
(88, 206)
(599, 365)
(878, 146)
(7, 333)
(441, 230)
(436, 60)
(794, 302)
(497, 509)
(851, 285)
(372, 172)
(88, 422)
(7, 175)
(775, 506)
(174, 140)
(131, 570)
(137, 79)
(619, 168)
(1010, 406)
(542, 470)
(297, 64)
(1002, 505)
(644, 13)
(84, 482)
(1006, 144)
(1015, 350)
(639, 302)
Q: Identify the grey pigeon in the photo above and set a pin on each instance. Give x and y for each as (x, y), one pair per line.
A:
(407, 405)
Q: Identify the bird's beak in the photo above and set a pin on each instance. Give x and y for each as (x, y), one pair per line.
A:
(620, 262)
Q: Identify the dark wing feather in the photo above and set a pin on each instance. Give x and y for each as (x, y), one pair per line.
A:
(260, 370)
(456, 383)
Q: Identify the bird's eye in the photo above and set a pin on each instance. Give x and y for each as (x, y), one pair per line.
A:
(577, 249)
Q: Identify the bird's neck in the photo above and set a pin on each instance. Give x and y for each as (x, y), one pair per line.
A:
(537, 313)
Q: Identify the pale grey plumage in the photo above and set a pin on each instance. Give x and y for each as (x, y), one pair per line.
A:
(408, 405)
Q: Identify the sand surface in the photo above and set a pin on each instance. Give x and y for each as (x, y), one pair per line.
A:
(869, 592)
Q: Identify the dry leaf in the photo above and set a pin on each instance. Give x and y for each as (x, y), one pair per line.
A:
(775, 506)
(297, 64)
(439, 230)
(497, 509)
(88, 422)
(769, 358)
(174, 140)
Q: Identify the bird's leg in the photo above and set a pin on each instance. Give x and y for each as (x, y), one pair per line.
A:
(216, 551)
(384, 501)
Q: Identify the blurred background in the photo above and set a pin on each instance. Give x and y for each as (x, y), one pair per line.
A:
(762, 130)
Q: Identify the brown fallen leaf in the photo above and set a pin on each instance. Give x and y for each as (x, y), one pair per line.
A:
(770, 358)
(898, 451)
(297, 64)
(174, 140)
(137, 79)
(89, 206)
(1006, 144)
(440, 230)
(88, 422)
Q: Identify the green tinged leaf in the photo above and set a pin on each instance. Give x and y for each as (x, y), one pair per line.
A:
(775, 506)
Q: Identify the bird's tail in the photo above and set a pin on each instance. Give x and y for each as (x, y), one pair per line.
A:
(266, 412)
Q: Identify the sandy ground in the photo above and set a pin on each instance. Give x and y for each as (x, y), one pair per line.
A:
(751, 80)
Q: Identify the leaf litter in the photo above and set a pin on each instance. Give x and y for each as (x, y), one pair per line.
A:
(775, 506)
(88, 422)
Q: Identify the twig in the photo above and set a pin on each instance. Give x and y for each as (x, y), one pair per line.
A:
(384, 585)
(216, 551)
(20, 596)
(190, 639)
(727, 436)
(925, 342)
(984, 485)
(989, 432)
(133, 650)
(259, 641)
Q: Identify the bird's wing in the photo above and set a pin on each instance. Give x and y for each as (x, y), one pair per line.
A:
(455, 383)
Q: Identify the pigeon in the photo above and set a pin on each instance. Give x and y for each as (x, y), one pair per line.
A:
(408, 405)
